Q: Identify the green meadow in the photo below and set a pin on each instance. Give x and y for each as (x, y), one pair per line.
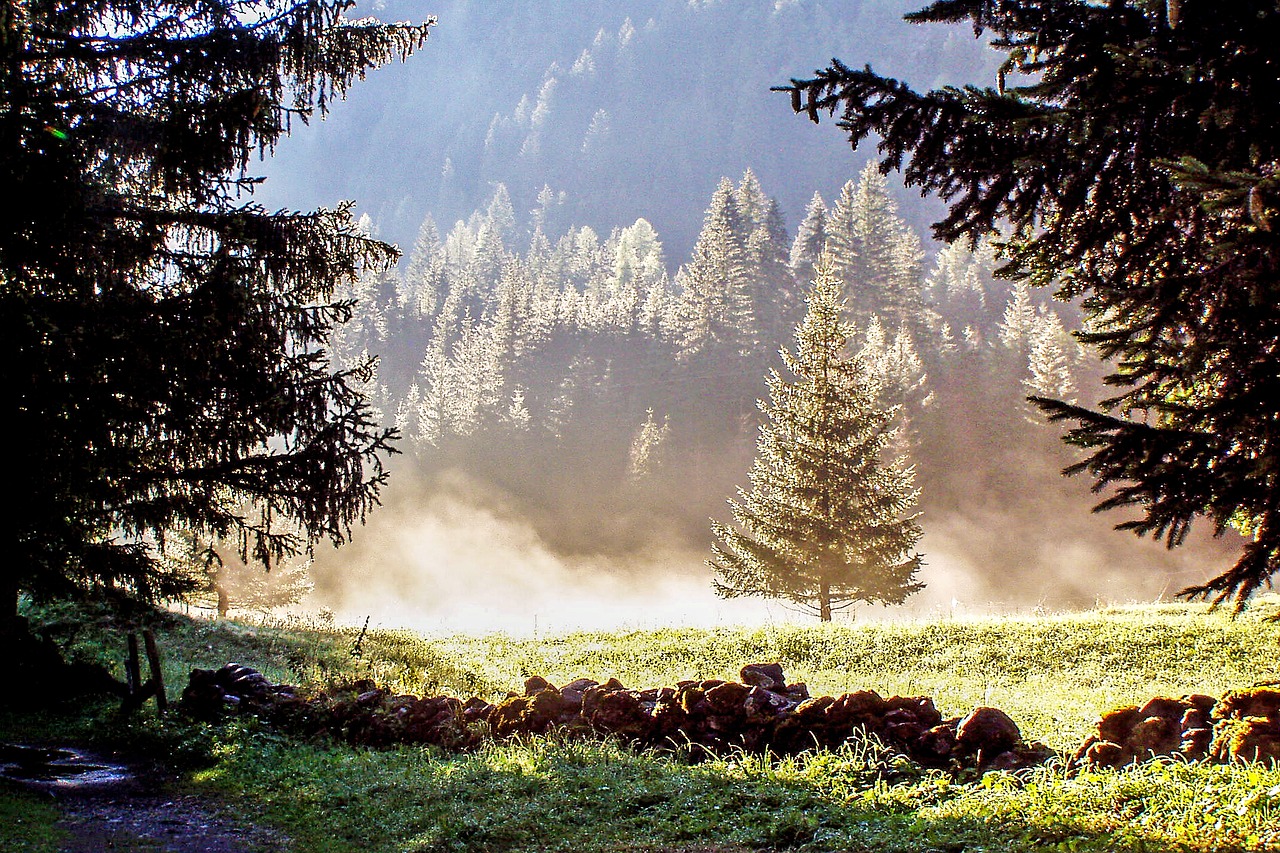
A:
(1054, 674)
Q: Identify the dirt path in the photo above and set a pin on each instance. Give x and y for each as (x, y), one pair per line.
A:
(156, 822)
(111, 803)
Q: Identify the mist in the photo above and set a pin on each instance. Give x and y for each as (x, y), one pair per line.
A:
(453, 554)
(551, 193)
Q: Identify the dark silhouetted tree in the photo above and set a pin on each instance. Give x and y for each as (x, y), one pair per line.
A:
(164, 338)
(1138, 163)
(827, 522)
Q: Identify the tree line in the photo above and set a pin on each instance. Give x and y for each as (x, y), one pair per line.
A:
(570, 364)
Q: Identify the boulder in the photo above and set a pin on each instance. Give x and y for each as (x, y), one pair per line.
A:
(617, 712)
(1115, 725)
(766, 675)
(934, 747)
(1247, 739)
(988, 731)
(536, 684)
(1261, 702)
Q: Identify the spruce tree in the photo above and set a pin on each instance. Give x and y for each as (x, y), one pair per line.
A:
(1138, 164)
(716, 297)
(164, 336)
(828, 520)
(1048, 359)
(420, 288)
(811, 239)
(876, 254)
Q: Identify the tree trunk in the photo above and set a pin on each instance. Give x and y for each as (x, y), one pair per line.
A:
(224, 601)
(824, 601)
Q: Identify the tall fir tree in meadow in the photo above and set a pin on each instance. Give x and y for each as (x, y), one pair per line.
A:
(829, 520)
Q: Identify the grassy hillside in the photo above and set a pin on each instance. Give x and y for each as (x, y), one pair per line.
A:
(1053, 674)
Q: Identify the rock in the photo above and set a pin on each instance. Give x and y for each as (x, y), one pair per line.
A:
(904, 733)
(1193, 718)
(988, 730)
(1104, 753)
(798, 692)
(536, 684)
(727, 698)
(476, 709)
(669, 719)
(813, 710)
(921, 709)
(763, 704)
(506, 718)
(574, 690)
(766, 675)
(1248, 739)
(203, 698)
(1115, 725)
(849, 708)
(1153, 736)
(1256, 702)
(1195, 743)
(693, 699)
(933, 748)
(1165, 708)
(547, 707)
(617, 712)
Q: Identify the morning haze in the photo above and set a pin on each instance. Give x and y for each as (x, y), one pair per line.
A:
(550, 173)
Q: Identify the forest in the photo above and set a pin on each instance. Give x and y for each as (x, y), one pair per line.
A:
(316, 506)
(608, 392)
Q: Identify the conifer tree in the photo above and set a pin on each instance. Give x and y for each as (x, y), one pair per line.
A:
(875, 253)
(715, 297)
(645, 457)
(811, 240)
(1048, 359)
(828, 522)
(775, 304)
(423, 278)
(1018, 322)
(164, 338)
(753, 204)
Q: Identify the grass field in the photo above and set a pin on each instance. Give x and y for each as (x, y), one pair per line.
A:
(1053, 674)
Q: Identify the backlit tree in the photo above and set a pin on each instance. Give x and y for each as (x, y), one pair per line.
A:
(828, 522)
